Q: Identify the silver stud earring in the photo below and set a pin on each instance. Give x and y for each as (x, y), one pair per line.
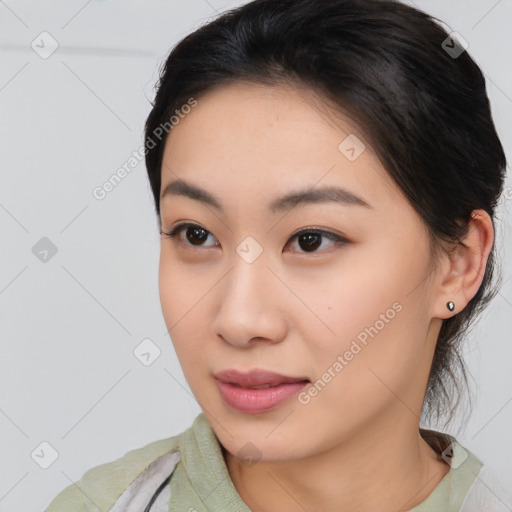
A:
(450, 305)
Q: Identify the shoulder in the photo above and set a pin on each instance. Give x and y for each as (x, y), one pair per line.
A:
(470, 485)
(488, 493)
(102, 486)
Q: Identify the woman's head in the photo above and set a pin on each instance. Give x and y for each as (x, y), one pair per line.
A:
(278, 97)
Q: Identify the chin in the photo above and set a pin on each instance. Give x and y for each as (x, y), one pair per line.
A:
(247, 439)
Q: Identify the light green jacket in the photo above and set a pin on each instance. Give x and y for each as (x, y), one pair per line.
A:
(201, 483)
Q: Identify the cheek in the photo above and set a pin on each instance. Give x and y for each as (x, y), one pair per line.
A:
(182, 286)
(364, 302)
(358, 372)
(182, 299)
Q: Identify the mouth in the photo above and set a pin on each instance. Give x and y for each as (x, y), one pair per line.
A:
(256, 379)
(263, 386)
(257, 391)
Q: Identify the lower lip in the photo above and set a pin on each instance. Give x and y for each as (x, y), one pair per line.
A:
(257, 400)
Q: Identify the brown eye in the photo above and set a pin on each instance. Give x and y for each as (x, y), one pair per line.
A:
(311, 239)
(195, 235)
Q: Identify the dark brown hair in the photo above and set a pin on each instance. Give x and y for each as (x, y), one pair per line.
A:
(394, 70)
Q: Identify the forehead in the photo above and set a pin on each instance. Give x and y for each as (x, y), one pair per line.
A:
(267, 139)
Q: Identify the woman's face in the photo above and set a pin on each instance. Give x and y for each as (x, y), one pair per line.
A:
(348, 305)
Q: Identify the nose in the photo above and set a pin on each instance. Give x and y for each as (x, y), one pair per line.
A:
(251, 306)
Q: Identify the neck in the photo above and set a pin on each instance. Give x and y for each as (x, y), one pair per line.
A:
(388, 467)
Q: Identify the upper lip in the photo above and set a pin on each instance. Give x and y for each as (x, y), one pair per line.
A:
(256, 377)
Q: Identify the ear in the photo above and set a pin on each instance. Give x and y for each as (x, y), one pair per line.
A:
(464, 267)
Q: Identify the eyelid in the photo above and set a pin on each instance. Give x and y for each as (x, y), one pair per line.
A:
(313, 229)
(180, 227)
(337, 238)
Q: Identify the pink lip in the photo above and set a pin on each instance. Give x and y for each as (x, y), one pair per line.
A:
(234, 387)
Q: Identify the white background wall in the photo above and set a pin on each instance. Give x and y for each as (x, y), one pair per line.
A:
(68, 327)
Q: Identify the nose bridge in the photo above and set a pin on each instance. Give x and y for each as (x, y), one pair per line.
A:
(248, 279)
(248, 308)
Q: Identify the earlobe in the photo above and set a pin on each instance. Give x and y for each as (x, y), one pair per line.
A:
(466, 266)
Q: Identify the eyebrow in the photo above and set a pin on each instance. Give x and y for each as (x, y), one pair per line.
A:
(302, 197)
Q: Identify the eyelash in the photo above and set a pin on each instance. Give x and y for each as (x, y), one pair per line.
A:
(327, 234)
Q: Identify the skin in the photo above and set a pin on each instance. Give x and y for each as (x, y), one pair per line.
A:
(294, 312)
